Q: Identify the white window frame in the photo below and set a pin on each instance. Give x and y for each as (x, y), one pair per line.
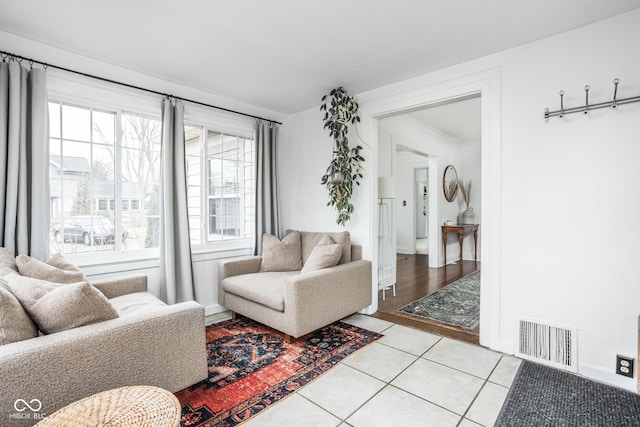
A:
(81, 91)
(112, 205)
(247, 133)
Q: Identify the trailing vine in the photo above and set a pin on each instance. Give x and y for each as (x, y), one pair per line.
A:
(341, 110)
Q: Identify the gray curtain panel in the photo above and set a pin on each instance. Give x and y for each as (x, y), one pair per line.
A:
(24, 160)
(267, 205)
(176, 271)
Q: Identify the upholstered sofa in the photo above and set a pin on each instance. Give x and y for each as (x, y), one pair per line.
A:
(296, 299)
(150, 343)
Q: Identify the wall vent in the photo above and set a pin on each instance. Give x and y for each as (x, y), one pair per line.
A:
(547, 344)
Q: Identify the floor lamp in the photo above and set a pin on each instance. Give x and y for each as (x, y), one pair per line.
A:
(386, 191)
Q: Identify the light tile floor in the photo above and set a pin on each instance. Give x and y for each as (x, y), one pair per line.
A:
(407, 378)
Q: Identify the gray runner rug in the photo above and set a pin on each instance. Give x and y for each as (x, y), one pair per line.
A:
(456, 304)
(546, 397)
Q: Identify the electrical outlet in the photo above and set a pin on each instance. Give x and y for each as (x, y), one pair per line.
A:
(624, 366)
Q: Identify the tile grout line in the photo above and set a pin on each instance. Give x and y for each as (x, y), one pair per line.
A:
(388, 384)
(480, 391)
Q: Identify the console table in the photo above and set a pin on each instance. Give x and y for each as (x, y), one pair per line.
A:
(461, 230)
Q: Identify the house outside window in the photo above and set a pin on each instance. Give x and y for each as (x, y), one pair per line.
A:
(98, 159)
(221, 189)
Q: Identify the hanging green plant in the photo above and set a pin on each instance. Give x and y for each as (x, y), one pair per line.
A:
(341, 110)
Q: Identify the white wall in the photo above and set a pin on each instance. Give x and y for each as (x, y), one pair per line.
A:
(559, 191)
(303, 160)
(565, 183)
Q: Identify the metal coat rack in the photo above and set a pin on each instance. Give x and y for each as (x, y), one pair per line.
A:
(588, 107)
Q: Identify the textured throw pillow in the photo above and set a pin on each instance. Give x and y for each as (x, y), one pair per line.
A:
(8, 265)
(7, 259)
(309, 240)
(56, 270)
(55, 307)
(285, 255)
(15, 323)
(325, 254)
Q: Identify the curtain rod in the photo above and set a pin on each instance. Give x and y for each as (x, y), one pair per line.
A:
(32, 61)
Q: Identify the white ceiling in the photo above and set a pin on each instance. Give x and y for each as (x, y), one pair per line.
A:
(285, 54)
(460, 119)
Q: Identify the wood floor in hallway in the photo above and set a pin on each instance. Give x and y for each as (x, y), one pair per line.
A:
(415, 280)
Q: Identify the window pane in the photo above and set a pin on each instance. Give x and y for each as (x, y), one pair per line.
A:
(193, 152)
(141, 132)
(230, 187)
(104, 127)
(140, 165)
(84, 182)
(54, 120)
(102, 164)
(77, 187)
(76, 123)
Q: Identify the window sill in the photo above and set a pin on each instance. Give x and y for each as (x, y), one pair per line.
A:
(103, 263)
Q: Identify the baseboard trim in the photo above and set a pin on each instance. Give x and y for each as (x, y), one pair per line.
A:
(599, 374)
(213, 309)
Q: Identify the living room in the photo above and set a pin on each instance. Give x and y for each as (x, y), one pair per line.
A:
(550, 189)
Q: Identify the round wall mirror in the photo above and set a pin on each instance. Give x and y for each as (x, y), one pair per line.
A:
(450, 183)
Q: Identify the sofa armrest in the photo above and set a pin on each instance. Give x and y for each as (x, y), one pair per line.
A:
(236, 267)
(320, 297)
(163, 347)
(119, 286)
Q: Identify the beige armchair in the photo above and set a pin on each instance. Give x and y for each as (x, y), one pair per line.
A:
(293, 302)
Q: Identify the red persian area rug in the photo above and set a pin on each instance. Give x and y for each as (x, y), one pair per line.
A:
(251, 367)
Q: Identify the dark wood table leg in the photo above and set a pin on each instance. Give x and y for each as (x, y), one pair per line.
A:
(475, 245)
(444, 242)
(460, 239)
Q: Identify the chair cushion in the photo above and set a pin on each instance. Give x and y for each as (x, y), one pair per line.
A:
(56, 270)
(137, 301)
(277, 255)
(262, 288)
(326, 254)
(15, 323)
(55, 307)
(309, 240)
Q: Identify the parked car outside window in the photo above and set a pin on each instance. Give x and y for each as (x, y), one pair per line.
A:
(84, 229)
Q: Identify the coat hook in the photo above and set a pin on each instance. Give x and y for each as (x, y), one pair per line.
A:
(586, 105)
(561, 93)
(615, 92)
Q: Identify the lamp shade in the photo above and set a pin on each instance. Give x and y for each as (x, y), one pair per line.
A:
(386, 187)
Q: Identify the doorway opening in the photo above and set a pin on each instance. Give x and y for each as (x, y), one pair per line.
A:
(422, 143)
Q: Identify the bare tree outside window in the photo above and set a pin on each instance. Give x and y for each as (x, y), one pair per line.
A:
(104, 174)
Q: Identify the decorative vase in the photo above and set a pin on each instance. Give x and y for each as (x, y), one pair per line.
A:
(468, 216)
